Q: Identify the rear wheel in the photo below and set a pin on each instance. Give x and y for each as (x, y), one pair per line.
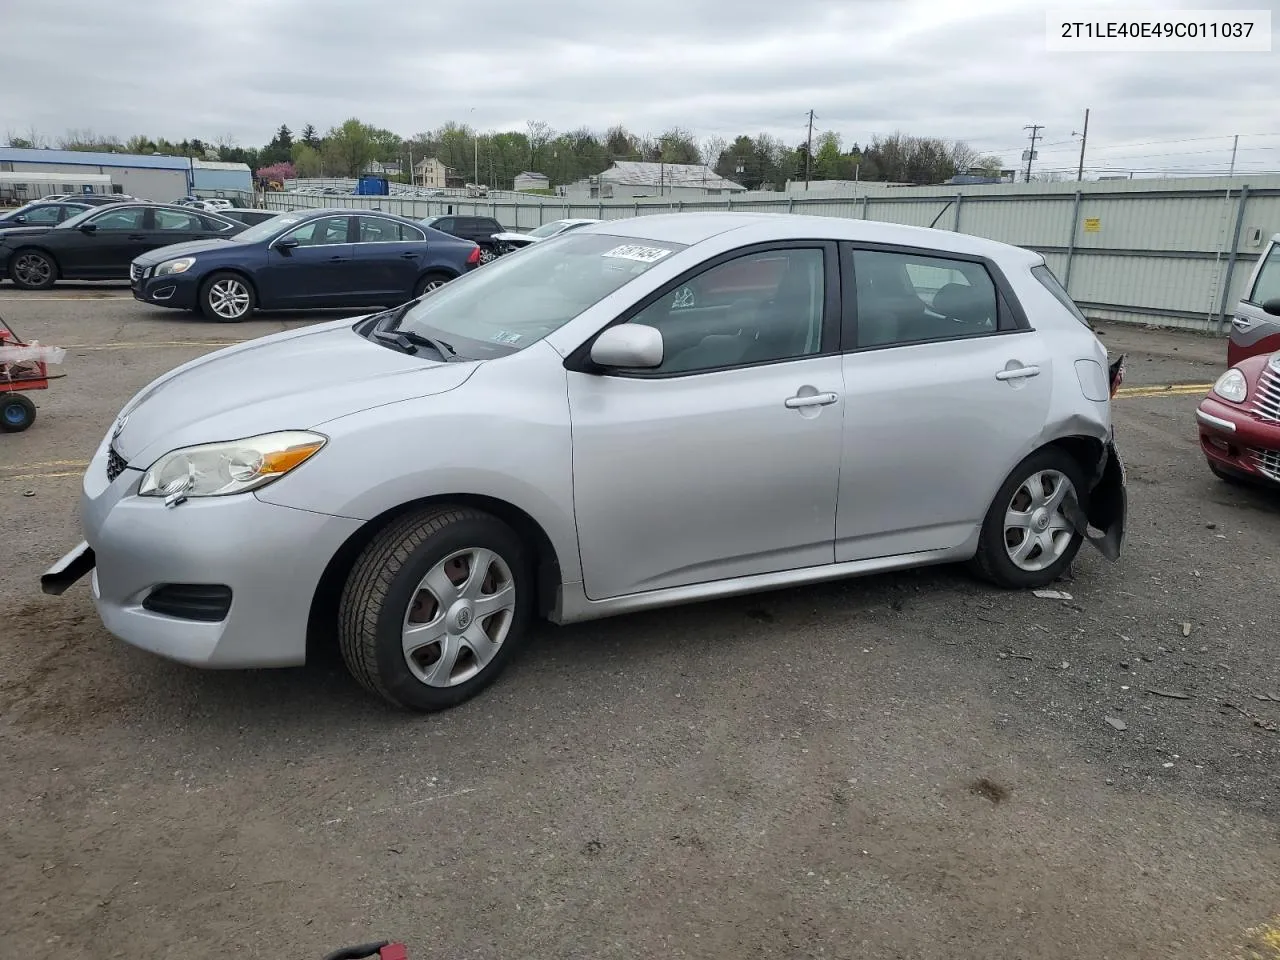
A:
(33, 270)
(1027, 540)
(226, 298)
(16, 412)
(435, 607)
(429, 282)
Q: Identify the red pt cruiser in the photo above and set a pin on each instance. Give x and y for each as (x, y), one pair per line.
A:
(1240, 421)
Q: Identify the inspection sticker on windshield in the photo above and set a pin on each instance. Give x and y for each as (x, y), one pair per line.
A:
(506, 336)
(632, 251)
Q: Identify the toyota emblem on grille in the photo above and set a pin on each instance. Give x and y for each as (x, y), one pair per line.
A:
(115, 431)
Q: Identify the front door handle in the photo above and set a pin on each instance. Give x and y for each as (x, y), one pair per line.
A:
(339, 259)
(1018, 373)
(813, 400)
(137, 236)
(408, 256)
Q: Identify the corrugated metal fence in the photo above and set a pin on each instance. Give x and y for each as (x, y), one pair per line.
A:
(1174, 253)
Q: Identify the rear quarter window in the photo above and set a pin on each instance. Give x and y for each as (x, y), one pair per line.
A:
(1050, 283)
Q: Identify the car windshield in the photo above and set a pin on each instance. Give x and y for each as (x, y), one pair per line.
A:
(267, 228)
(514, 302)
(549, 229)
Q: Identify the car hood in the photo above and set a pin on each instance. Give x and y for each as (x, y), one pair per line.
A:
(12, 233)
(513, 236)
(288, 381)
(160, 254)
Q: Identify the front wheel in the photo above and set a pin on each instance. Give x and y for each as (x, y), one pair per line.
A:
(435, 607)
(1027, 541)
(226, 298)
(16, 412)
(487, 255)
(33, 270)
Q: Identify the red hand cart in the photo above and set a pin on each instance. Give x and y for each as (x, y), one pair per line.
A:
(23, 366)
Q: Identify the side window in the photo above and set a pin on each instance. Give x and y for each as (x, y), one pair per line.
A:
(178, 221)
(43, 215)
(327, 230)
(413, 234)
(444, 224)
(909, 298)
(490, 227)
(758, 308)
(378, 230)
(1267, 286)
(120, 219)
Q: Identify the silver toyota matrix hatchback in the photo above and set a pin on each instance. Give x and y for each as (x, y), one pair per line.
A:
(638, 413)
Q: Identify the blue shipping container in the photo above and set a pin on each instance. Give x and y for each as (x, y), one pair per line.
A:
(370, 186)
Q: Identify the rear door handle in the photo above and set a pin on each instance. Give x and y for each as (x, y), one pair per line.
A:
(408, 256)
(137, 236)
(339, 259)
(1020, 373)
(814, 400)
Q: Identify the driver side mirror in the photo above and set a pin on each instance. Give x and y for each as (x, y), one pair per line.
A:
(20, 218)
(88, 228)
(628, 346)
(285, 244)
(1272, 307)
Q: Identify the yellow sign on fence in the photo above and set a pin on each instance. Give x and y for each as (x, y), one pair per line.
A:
(1092, 224)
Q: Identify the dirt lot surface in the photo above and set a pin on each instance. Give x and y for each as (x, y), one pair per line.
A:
(903, 766)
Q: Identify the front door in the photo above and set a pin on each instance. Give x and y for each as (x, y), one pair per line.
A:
(1253, 330)
(944, 391)
(722, 462)
(119, 235)
(316, 272)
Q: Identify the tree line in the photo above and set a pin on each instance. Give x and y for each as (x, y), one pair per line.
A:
(495, 158)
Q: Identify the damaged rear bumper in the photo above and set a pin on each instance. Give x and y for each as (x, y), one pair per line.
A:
(1103, 523)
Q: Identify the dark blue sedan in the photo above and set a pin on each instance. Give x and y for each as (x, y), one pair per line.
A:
(303, 260)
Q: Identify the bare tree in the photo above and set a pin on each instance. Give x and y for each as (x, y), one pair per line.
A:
(540, 134)
(711, 149)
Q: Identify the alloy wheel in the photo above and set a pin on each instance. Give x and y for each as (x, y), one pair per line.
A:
(33, 269)
(1036, 530)
(229, 299)
(459, 616)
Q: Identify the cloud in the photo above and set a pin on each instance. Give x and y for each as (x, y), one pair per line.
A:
(976, 70)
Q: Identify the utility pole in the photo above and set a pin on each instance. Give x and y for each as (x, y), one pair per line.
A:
(1084, 138)
(808, 153)
(1234, 143)
(1035, 129)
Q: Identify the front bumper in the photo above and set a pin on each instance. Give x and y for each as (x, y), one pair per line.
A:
(1237, 442)
(180, 291)
(270, 558)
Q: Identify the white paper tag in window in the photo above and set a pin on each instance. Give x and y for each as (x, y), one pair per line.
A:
(632, 251)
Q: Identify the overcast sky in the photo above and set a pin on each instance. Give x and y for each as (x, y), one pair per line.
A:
(975, 70)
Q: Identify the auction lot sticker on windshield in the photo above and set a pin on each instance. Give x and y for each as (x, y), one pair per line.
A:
(632, 251)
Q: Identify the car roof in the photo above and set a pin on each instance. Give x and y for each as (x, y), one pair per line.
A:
(693, 228)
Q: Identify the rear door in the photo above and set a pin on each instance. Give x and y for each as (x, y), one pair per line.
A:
(315, 273)
(177, 226)
(1253, 330)
(945, 386)
(388, 258)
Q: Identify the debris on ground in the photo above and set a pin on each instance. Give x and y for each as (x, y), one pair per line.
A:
(1171, 694)
(1117, 723)
(1052, 594)
(1186, 629)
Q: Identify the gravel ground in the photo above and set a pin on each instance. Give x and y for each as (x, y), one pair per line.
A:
(903, 766)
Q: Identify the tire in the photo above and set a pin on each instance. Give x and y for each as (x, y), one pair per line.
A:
(16, 412)
(227, 297)
(1227, 476)
(387, 585)
(32, 269)
(1055, 542)
(429, 282)
(487, 254)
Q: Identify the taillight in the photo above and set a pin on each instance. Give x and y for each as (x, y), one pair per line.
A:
(1117, 375)
(473, 257)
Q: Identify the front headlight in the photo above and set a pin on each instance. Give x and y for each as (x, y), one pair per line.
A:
(237, 466)
(1232, 386)
(169, 267)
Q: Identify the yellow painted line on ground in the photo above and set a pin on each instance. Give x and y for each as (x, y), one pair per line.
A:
(49, 463)
(151, 343)
(42, 476)
(1263, 942)
(1160, 390)
(92, 296)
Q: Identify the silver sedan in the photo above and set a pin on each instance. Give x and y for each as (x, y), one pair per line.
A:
(646, 412)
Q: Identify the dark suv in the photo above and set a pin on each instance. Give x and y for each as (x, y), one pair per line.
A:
(479, 230)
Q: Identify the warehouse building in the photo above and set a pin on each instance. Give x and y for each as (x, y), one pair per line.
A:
(145, 176)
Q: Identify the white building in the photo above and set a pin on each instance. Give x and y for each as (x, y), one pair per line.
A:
(628, 179)
(430, 172)
(531, 181)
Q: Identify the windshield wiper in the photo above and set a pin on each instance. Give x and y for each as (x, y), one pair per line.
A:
(388, 330)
